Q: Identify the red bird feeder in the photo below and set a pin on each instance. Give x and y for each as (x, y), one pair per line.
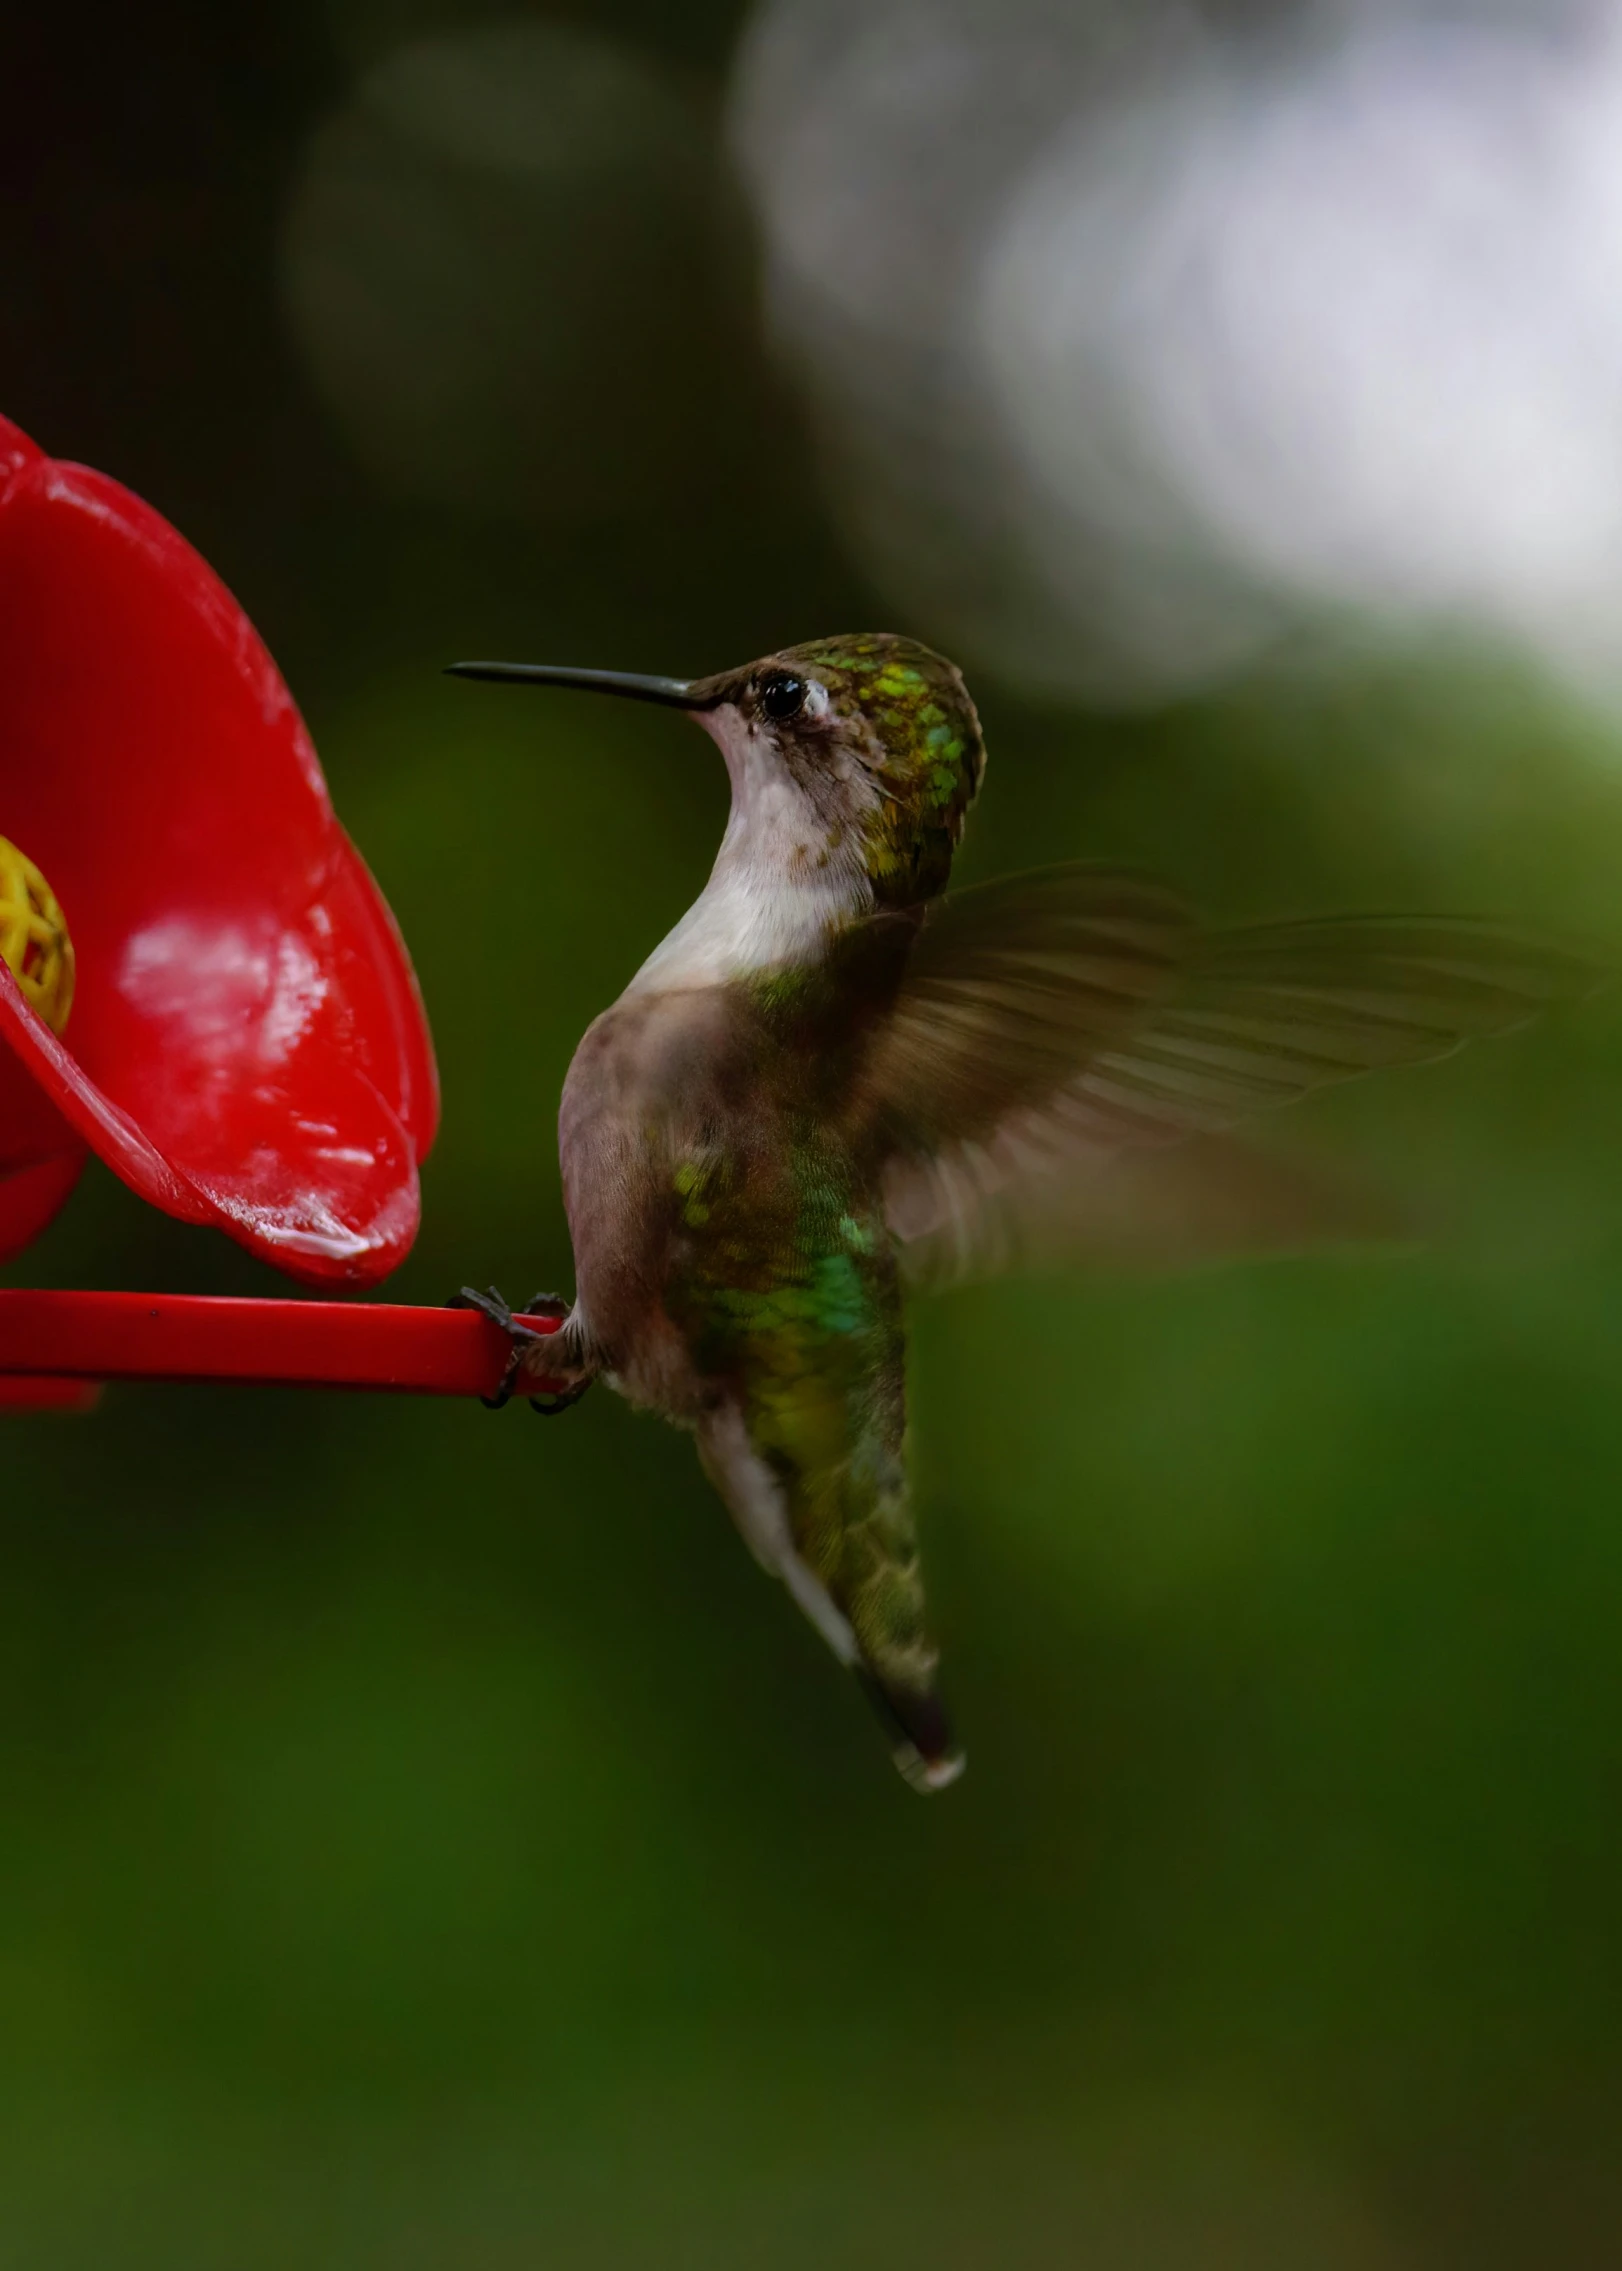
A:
(199, 979)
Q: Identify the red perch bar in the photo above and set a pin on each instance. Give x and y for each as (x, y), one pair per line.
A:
(68, 1337)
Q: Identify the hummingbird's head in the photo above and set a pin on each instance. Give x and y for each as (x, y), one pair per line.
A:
(853, 760)
(862, 753)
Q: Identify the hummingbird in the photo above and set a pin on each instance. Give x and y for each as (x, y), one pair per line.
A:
(835, 1078)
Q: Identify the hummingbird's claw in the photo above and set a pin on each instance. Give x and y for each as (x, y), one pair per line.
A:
(545, 1305)
(489, 1304)
(493, 1305)
(548, 1406)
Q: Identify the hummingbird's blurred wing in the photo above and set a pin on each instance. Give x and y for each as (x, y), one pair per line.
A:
(961, 1217)
(1009, 991)
(1053, 1025)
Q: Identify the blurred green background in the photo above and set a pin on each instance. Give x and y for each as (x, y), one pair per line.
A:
(425, 1840)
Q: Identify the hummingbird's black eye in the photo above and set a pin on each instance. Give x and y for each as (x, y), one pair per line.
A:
(782, 695)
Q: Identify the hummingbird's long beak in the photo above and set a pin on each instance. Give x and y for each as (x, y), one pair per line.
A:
(676, 693)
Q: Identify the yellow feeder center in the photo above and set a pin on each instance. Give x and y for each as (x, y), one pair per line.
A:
(34, 937)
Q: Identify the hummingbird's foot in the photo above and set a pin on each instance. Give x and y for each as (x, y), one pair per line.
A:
(491, 1304)
(554, 1400)
(553, 1355)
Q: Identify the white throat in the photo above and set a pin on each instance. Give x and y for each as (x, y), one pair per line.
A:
(776, 893)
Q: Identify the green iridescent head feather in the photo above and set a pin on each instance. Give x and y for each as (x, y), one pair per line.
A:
(910, 720)
(897, 726)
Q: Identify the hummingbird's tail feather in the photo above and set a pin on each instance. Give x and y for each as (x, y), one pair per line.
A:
(855, 1578)
(921, 1741)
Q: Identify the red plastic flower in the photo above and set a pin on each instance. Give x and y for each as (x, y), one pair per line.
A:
(246, 1045)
